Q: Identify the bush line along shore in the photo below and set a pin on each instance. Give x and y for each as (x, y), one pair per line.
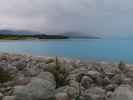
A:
(25, 77)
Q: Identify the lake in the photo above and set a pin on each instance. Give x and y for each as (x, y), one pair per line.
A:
(84, 49)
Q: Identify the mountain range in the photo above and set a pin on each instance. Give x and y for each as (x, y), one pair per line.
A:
(40, 35)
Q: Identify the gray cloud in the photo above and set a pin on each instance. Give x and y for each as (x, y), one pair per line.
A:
(102, 17)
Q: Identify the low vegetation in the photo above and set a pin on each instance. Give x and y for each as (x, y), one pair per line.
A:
(23, 37)
(60, 74)
(5, 76)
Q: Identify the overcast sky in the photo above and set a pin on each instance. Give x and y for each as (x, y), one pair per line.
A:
(98, 17)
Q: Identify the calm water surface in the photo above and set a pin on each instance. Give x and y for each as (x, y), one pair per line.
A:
(94, 49)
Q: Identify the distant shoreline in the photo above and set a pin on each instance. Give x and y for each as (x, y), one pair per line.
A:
(30, 37)
(39, 37)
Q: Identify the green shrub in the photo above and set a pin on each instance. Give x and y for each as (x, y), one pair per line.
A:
(122, 66)
(60, 74)
(5, 76)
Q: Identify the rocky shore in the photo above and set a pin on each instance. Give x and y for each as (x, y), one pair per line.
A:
(25, 77)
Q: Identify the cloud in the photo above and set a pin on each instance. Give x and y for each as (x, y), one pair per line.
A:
(48, 15)
(101, 17)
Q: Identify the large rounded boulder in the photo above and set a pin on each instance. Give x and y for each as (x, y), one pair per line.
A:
(124, 92)
(37, 89)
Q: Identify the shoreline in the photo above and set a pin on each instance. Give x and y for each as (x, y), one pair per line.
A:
(27, 77)
(89, 60)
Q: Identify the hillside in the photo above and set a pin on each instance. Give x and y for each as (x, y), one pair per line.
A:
(20, 35)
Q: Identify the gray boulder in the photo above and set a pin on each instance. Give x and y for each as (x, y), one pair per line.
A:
(1, 96)
(61, 96)
(47, 76)
(118, 79)
(37, 89)
(86, 82)
(129, 73)
(20, 65)
(124, 92)
(71, 91)
(9, 98)
(96, 76)
(31, 71)
(95, 93)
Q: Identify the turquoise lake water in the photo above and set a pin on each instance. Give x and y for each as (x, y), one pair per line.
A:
(84, 49)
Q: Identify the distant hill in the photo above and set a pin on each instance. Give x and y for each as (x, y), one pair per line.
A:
(80, 35)
(39, 35)
(18, 34)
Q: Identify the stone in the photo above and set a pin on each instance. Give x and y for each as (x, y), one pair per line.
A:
(47, 76)
(23, 81)
(20, 65)
(118, 79)
(77, 73)
(122, 66)
(123, 92)
(110, 68)
(106, 81)
(109, 94)
(21, 93)
(96, 76)
(9, 98)
(1, 96)
(71, 91)
(93, 74)
(110, 87)
(61, 96)
(37, 89)
(49, 60)
(31, 71)
(75, 84)
(129, 73)
(128, 81)
(95, 93)
(86, 82)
